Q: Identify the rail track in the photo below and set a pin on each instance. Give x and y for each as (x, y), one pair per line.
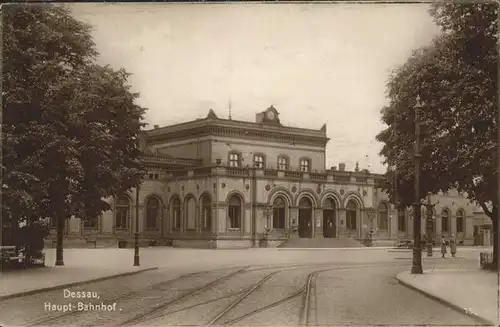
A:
(152, 314)
(305, 291)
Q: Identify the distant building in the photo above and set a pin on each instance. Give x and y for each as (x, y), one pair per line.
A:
(217, 182)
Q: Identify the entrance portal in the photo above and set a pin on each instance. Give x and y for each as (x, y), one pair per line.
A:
(351, 219)
(329, 219)
(305, 218)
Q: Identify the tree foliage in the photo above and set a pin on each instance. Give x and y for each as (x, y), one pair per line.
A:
(456, 79)
(70, 127)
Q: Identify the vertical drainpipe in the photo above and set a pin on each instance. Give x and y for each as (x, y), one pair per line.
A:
(216, 225)
(254, 208)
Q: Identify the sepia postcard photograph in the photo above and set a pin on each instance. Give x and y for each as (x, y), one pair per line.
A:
(249, 164)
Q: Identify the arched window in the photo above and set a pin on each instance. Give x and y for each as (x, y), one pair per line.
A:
(279, 213)
(328, 204)
(234, 212)
(190, 211)
(401, 220)
(304, 165)
(122, 212)
(91, 222)
(351, 210)
(305, 203)
(383, 218)
(234, 159)
(283, 163)
(445, 221)
(206, 212)
(258, 161)
(176, 213)
(460, 221)
(153, 209)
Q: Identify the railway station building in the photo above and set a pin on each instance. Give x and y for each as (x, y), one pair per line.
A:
(223, 183)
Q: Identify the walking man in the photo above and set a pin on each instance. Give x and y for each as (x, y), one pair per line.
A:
(443, 246)
(453, 246)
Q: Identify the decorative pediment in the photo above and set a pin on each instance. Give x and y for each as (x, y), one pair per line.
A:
(211, 114)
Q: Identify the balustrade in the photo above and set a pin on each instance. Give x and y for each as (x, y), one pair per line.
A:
(328, 176)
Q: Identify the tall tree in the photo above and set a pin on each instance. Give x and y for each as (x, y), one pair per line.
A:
(70, 126)
(456, 79)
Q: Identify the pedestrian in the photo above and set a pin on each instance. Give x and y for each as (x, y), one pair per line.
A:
(453, 246)
(443, 246)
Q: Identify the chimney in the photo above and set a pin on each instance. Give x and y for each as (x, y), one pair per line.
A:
(156, 126)
(259, 117)
(341, 166)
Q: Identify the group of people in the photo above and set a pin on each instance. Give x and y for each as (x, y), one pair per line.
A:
(453, 246)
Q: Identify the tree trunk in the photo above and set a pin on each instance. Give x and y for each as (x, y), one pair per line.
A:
(494, 220)
(60, 234)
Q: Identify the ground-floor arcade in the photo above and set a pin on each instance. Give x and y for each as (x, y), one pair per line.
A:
(219, 211)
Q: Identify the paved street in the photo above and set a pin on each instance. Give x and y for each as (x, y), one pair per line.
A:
(330, 290)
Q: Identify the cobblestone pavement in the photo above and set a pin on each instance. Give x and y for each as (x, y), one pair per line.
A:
(330, 293)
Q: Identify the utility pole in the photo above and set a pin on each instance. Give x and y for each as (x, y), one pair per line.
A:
(136, 234)
(417, 251)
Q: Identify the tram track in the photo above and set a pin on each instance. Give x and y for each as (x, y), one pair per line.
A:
(144, 315)
(161, 285)
(304, 291)
(164, 285)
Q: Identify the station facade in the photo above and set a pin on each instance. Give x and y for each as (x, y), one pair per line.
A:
(217, 183)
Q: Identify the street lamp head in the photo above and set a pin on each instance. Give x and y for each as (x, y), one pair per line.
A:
(417, 101)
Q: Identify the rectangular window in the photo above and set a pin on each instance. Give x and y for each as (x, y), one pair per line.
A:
(176, 218)
(401, 221)
(234, 160)
(282, 163)
(460, 224)
(234, 217)
(278, 218)
(121, 219)
(258, 161)
(90, 223)
(444, 224)
(351, 219)
(304, 165)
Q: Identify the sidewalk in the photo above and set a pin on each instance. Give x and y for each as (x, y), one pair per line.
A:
(473, 291)
(80, 267)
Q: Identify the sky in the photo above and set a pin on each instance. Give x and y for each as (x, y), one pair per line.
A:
(315, 63)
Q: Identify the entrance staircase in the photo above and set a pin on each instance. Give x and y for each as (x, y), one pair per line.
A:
(321, 242)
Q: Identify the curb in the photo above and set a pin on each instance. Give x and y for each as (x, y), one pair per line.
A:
(482, 321)
(343, 249)
(57, 287)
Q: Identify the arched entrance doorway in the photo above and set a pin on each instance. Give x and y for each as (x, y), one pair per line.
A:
(305, 218)
(329, 219)
(351, 217)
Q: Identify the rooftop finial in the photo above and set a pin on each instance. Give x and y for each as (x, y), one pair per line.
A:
(229, 108)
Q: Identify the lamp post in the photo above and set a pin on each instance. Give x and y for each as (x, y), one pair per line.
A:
(429, 222)
(136, 234)
(371, 215)
(417, 251)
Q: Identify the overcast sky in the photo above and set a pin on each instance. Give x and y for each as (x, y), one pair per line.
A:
(316, 63)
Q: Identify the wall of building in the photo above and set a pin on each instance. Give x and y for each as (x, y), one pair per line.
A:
(257, 194)
(222, 146)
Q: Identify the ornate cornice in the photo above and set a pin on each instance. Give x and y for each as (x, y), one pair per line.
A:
(237, 129)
